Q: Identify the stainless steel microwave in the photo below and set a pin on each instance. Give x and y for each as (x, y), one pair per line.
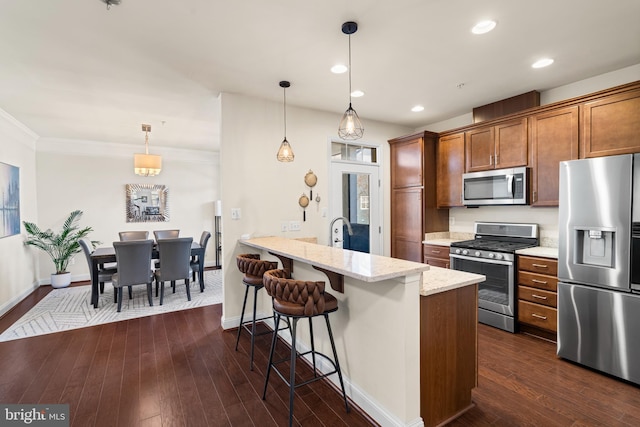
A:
(495, 187)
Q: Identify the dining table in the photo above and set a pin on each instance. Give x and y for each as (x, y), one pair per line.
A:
(107, 254)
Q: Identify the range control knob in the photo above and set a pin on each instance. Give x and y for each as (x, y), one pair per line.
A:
(477, 253)
(465, 252)
(458, 251)
(498, 256)
(491, 255)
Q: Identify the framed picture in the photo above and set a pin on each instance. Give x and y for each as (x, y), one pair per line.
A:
(10, 200)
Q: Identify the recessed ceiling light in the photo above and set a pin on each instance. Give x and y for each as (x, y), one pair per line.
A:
(483, 27)
(417, 108)
(544, 62)
(357, 93)
(339, 69)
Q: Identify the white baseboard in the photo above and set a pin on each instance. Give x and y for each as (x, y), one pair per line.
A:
(14, 301)
(367, 403)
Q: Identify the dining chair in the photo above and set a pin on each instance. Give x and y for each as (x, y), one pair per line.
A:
(166, 234)
(104, 274)
(175, 257)
(134, 266)
(133, 235)
(195, 260)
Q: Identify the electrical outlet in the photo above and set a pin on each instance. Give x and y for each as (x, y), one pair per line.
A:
(294, 225)
(73, 260)
(284, 227)
(452, 220)
(235, 213)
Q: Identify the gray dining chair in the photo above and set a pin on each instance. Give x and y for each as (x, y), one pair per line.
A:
(105, 274)
(195, 261)
(133, 235)
(166, 234)
(134, 266)
(175, 257)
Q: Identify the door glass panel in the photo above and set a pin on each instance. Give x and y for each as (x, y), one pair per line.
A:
(355, 207)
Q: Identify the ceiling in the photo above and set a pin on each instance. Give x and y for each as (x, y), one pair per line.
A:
(73, 69)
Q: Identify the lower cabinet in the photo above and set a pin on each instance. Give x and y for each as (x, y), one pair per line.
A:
(436, 255)
(537, 296)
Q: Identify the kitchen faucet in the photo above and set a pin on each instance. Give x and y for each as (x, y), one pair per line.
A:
(346, 222)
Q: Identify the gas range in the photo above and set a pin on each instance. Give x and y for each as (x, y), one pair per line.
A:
(492, 254)
(497, 240)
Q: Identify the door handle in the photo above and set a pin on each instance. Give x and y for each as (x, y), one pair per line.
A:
(510, 184)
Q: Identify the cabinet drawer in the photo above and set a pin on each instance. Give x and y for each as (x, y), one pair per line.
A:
(538, 296)
(540, 281)
(435, 251)
(538, 315)
(538, 265)
(436, 262)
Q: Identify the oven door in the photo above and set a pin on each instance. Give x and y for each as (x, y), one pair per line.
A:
(496, 293)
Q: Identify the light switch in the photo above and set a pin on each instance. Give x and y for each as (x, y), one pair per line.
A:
(235, 213)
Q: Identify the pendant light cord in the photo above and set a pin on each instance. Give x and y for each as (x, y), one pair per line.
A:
(349, 70)
(284, 107)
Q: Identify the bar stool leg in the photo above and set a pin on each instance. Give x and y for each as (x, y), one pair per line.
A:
(313, 347)
(335, 358)
(253, 325)
(292, 373)
(273, 346)
(244, 304)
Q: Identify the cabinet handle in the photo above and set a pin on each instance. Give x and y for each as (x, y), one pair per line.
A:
(490, 160)
(538, 316)
(535, 196)
(540, 265)
(497, 159)
(538, 296)
(433, 251)
(542, 282)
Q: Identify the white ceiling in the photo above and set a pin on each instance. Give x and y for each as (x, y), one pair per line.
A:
(72, 69)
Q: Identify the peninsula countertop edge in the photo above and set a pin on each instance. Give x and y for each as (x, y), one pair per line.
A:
(358, 265)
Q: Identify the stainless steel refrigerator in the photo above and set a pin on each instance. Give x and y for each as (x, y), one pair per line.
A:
(599, 264)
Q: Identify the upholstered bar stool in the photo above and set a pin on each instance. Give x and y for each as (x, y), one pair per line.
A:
(253, 268)
(295, 300)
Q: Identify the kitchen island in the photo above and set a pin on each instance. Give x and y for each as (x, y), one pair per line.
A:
(399, 329)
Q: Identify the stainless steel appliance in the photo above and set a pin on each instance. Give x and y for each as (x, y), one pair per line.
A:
(492, 254)
(495, 187)
(599, 258)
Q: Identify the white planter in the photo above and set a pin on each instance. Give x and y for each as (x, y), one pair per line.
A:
(61, 280)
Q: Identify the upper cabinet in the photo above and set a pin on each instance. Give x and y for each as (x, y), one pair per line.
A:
(504, 145)
(407, 162)
(611, 125)
(450, 167)
(554, 138)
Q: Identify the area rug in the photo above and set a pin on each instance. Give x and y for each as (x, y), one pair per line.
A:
(70, 308)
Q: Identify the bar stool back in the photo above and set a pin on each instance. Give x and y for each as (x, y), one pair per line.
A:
(295, 300)
(253, 268)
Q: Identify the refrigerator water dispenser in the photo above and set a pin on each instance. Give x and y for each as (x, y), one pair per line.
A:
(595, 247)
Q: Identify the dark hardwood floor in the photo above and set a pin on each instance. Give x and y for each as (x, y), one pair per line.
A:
(180, 369)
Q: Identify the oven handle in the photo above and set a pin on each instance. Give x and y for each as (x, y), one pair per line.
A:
(488, 261)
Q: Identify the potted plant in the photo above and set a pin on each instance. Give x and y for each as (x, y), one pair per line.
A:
(61, 247)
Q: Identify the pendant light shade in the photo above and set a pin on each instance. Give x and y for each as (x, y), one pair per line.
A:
(147, 164)
(350, 127)
(285, 153)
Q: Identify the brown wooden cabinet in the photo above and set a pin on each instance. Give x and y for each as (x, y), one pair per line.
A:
(413, 194)
(554, 138)
(611, 125)
(436, 255)
(537, 296)
(450, 167)
(504, 145)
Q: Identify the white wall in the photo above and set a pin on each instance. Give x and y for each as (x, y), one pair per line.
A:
(91, 176)
(17, 266)
(266, 190)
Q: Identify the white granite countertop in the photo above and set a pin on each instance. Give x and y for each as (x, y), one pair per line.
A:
(541, 251)
(438, 280)
(358, 265)
(440, 242)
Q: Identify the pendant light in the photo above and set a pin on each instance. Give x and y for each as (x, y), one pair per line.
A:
(147, 164)
(350, 126)
(285, 153)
